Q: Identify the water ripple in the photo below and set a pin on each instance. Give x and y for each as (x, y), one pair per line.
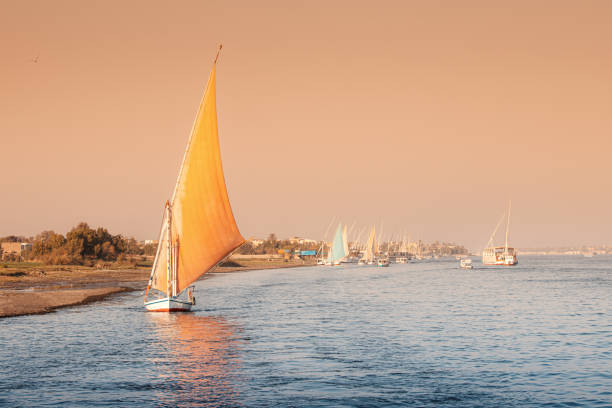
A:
(424, 334)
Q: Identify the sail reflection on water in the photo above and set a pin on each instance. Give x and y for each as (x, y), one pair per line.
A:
(203, 359)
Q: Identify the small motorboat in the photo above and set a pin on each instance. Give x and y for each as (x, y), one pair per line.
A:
(382, 262)
(466, 263)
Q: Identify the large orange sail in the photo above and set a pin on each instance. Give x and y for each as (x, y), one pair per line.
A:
(202, 224)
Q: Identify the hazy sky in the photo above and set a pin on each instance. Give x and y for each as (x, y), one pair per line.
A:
(423, 116)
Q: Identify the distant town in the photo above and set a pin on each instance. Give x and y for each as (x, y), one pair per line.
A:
(301, 247)
(83, 245)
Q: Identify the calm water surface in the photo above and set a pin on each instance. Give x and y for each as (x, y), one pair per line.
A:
(423, 334)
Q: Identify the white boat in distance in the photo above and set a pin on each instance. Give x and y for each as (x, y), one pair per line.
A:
(466, 263)
(500, 255)
(382, 262)
(198, 227)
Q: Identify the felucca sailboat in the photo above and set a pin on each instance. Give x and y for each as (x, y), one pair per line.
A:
(371, 249)
(337, 250)
(198, 227)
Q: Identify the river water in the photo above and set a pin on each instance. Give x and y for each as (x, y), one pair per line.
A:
(423, 334)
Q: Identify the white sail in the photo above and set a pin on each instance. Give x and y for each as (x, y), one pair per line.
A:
(371, 247)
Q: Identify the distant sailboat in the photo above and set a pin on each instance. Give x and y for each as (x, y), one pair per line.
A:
(321, 260)
(198, 227)
(371, 249)
(347, 250)
(319, 257)
(337, 251)
(345, 242)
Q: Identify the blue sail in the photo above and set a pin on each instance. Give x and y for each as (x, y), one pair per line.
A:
(337, 249)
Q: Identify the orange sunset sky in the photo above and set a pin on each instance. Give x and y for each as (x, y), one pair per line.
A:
(423, 116)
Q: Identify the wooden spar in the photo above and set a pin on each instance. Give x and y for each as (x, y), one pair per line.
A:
(157, 252)
(217, 57)
(508, 227)
(191, 136)
(491, 243)
(169, 250)
(175, 263)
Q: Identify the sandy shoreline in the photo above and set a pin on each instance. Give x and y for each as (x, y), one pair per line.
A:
(19, 303)
(43, 289)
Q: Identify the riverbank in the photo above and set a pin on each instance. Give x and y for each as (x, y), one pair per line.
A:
(19, 303)
(245, 265)
(31, 288)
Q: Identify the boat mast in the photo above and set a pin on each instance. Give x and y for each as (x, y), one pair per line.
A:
(169, 258)
(157, 253)
(508, 226)
(175, 249)
(379, 237)
(320, 250)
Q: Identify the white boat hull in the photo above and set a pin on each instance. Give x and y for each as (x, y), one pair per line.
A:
(466, 263)
(498, 256)
(168, 305)
(503, 262)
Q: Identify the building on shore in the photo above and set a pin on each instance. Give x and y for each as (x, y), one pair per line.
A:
(256, 242)
(302, 241)
(15, 249)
